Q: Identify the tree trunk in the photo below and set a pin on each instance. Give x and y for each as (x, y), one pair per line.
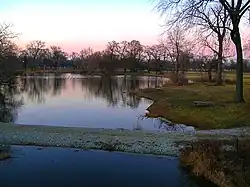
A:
(239, 73)
(209, 72)
(156, 62)
(235, 35)
(210, 75)
(177, 71)
(219, 65)
(25, 61)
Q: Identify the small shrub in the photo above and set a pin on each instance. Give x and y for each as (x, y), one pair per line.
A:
(109, 145)
(4, 155)
(178, 79)
(204, 79)
(225, 163)
(230, 81)
(4, 152)
(172, 76)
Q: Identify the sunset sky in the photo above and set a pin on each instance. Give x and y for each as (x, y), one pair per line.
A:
(75, 24)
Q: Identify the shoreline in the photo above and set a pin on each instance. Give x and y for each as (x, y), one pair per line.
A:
(176, 104)
(87, 73)
(121, 140)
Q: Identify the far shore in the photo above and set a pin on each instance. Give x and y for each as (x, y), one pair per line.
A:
(89, 72)
(142, 142)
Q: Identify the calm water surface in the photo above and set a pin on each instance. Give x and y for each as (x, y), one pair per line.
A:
(85, 101)
(53, 167)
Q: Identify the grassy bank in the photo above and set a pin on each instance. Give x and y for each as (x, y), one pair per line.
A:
(175, 103)
(225, 163)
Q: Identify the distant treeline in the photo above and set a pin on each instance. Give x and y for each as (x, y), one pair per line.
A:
(176, 54)
(126, 56)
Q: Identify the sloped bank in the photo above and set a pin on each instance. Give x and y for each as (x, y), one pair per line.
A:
(167, 143)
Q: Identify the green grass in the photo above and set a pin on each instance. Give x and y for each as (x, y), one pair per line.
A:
(175, 103)
(227, 75)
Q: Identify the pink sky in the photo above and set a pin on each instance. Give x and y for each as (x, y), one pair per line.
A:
(76, 26)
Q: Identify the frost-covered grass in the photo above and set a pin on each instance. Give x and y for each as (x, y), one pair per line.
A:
(167, 143)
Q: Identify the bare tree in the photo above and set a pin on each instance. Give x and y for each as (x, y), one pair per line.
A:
(8, 51)
(94, 60)
(147, 55)
(177, 48)
(86, 53)
(123, 49)
(134, 50)
(6, 36)
(57, 55)
(246, 48)
(213, 21)
(46, 53)
(155, 54)
(236, 9)
(74, 56)
(219, 51)
(217, 20)
(163, 51)
(7, 46)
(112, 50)
(177, 12)
(123, 54)
(35, 49)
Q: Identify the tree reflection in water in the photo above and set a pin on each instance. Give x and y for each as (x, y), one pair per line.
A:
(10, 101)
(115, 90)
(39, 87)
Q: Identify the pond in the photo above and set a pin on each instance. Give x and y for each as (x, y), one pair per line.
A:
(74, 100)
(32, 166)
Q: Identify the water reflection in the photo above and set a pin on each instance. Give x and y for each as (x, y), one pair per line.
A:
(65, 167)
(81, 101)
(114, 90)
(10, 102)
(37, 88)
(85, 101)
(162, 125)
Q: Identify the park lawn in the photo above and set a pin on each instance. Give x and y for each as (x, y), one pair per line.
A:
(175, 103)
(227, 75)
